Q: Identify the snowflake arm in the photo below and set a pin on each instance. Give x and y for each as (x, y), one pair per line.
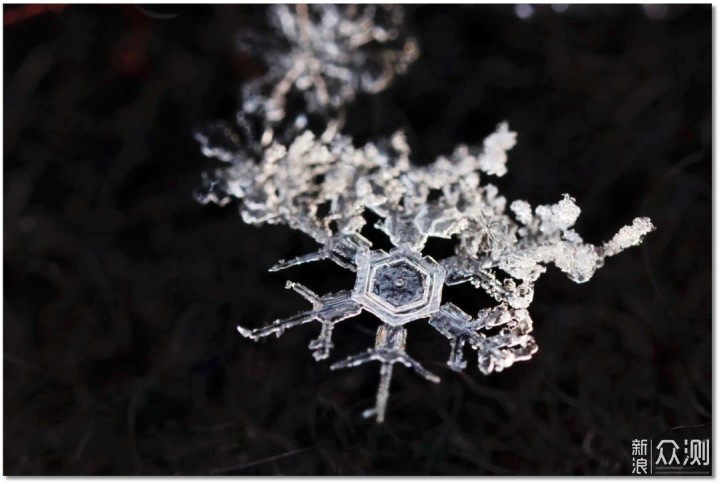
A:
(389, 349)
(548, 237)
(328, 310)
(462, 269)
(512, 343)
(453, 323)
(495, 352)
(628, 236)
(341, 250)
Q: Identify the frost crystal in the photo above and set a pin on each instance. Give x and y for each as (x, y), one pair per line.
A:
(325, 187)
(326, 55)
(501, 254)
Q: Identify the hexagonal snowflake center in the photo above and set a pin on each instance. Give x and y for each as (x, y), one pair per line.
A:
(399, 284)
(398, 287)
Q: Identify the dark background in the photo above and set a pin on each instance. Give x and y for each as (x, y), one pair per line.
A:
(122, 293)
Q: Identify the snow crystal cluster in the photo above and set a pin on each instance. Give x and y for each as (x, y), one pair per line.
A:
(321, 57)
(325, 186)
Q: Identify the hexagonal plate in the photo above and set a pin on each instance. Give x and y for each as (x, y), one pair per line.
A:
(399, 283)
(398, 287)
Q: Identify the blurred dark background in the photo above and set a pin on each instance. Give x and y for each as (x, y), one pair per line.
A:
(122, 293)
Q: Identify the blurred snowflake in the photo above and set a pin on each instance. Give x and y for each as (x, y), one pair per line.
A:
(321, 56)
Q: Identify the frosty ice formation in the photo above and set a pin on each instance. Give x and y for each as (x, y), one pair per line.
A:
(326, 55)
(325, 186)
(502, 253)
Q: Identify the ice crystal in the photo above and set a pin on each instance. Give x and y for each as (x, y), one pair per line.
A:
(325, 187)
(500, 253)
(327, 55)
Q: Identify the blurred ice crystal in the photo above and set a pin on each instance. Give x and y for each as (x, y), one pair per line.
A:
(327, 54)
(325, 187)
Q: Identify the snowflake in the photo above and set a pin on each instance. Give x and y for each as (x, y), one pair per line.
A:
(325, 55)
(500, 253)
(325, 186)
